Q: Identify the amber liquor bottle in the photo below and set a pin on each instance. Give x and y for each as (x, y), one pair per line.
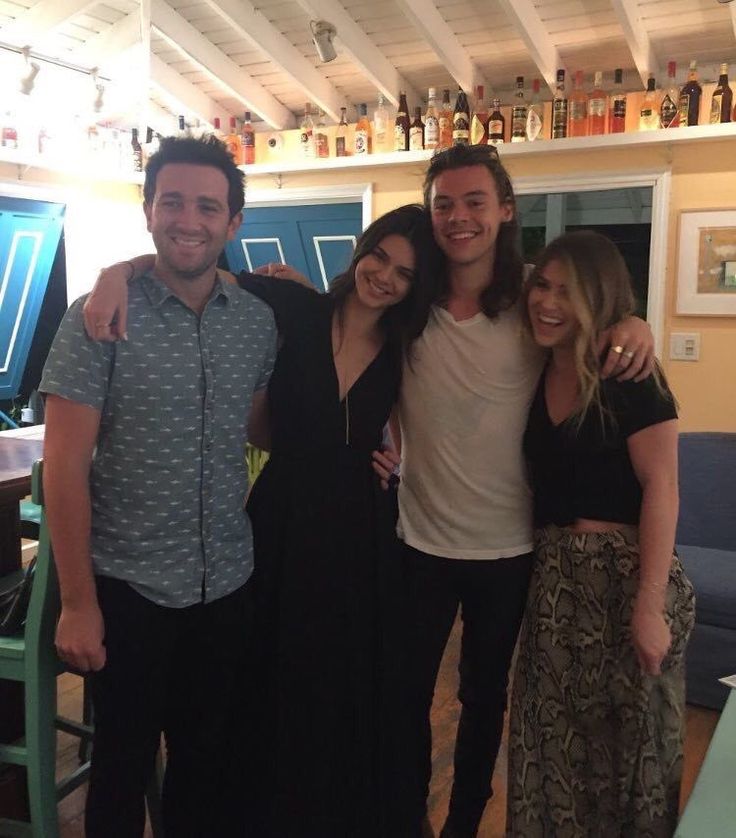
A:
(341, 135)
(248, 140)
(720, 104)
(479, 122)
(401, 125)
(496, 124)
(559, 108)
(690, 94)
(461, 119)
(597, 107)
(363, 141)
(578, 108)
(445, 121)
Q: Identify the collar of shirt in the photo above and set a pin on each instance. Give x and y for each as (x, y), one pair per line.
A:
(158, 292)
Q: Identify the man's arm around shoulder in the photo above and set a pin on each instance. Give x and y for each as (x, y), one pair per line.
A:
(70, 439)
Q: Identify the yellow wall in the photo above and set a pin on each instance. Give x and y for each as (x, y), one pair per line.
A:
(703, 176)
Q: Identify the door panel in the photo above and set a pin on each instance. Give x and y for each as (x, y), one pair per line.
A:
(317, 240)
(29, 236)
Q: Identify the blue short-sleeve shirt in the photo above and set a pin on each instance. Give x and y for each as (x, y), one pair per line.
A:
(168, 478)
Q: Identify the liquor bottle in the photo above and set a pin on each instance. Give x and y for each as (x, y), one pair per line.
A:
(669, 111)
(416, 132)
(649, 112)
(461, 119)
(363, 141)
(401, 125)
(9, 133)
(519, 113)
(479, 121)
(445, 121)
(341, 133)
(720, 104)
(559, 108)
(151, 144)
(136, 151)
(380, 126)
(183, 130)
(577, 108)
(617, 104)
(597, 102)
(689, 104)
(534, 114)
(306, 137)
(232, 142)
(496, 124)
(216, 129)
(432, 121)
(248, 140)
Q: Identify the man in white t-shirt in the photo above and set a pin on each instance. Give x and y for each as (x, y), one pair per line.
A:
(465, 506)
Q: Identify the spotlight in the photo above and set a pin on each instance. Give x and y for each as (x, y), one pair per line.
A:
(29, 79)
(322, 34)
(98, 101)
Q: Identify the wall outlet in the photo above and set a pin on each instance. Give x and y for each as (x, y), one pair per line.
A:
(685, 346)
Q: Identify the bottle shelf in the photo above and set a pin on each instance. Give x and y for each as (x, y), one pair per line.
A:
(634, 139)
(80, 170)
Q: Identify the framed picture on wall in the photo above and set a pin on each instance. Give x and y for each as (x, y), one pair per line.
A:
(706, 267)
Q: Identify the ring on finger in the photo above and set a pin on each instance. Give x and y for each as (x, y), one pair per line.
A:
(628, 354)
(619, 350)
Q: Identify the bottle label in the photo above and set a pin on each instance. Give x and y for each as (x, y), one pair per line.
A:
(323, 149)
(340, 147)
(495, 130)
(518, 122)
(249, 140)
(431, 131)
(578, 109)
(533, 124)
(416, 139)
(460, 128)
(715, 108)
(668, 113)
(361, 142)
(619, 108)
(445, 125)
(559, 118)
(477, 131)
(400, 138)
(597, 106)
(684, 106)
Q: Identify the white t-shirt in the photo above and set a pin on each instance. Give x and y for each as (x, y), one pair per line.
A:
(464, 400)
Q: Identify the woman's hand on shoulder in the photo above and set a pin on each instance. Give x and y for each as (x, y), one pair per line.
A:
(386, 464)
(281, 271)
(105, 310)
(650, 635)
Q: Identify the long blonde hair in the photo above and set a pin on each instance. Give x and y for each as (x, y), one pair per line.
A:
(599, 288)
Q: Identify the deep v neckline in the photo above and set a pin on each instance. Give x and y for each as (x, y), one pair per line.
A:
(363, 372)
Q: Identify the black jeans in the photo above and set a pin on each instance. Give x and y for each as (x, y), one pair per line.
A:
(492, 596)
(176, 670)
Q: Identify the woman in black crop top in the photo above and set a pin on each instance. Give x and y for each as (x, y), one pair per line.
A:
(598, 701)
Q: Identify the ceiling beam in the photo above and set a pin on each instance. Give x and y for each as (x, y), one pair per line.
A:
(184, 97)
(430, 24)
(254, 26)
(33, 25)
(354, 42)
(532, 31)
(640, 47)
(106, 45)
(225, 72)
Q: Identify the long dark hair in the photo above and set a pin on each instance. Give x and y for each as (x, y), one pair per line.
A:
(508, 266)
(405, 321)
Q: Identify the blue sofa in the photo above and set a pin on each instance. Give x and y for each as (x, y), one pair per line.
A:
(706, 543)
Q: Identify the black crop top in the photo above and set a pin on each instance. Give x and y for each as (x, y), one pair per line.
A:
(586, 472)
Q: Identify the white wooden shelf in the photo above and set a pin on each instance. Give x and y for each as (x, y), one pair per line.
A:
(82, 170)
(693, 134)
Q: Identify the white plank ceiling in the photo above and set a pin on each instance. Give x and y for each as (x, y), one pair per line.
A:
(220, 57)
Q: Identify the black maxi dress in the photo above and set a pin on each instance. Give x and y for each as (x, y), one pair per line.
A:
(328, 582)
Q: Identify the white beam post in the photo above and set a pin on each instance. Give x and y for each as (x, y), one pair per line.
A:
(225, 72)
(33, 25)
(627, 12)
(106, 45)
(183, 96)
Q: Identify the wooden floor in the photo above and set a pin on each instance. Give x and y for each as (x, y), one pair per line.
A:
(700, 726)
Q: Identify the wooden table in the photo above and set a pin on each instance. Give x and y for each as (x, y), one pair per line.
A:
(17, 456)
(19, 450)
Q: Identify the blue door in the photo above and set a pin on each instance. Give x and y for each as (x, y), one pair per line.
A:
(317, 240)
(29, 236)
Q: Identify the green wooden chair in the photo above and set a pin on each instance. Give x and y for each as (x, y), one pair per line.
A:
(31, 658)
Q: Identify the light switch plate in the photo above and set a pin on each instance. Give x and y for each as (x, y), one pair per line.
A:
(685, 346)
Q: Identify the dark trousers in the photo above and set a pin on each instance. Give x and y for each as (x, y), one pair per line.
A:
(492, 596)
(173, 670)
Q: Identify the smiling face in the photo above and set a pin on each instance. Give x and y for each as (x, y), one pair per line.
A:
(384, 276)
(467, 215)
(552, 315)
(189, 220)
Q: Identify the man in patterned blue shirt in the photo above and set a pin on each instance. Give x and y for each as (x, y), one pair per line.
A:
(144, 485)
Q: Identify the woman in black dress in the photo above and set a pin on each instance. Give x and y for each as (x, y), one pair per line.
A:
(327, 568)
